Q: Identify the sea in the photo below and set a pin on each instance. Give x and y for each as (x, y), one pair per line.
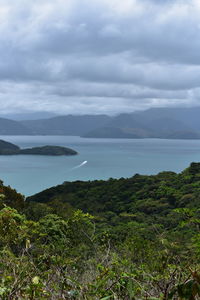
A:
(96, 159)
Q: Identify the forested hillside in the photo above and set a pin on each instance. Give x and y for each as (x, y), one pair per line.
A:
(135, 238)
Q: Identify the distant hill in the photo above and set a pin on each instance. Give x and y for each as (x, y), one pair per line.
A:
(116, 132)
(10, 127)
(170, 123)
(66, 125)
(177, 123)
(190, 116)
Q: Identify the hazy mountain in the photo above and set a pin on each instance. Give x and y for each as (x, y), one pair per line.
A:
(183, 123)
(166, 124)
(116, 132)
(190, 116)
(189, 135)
(67, 125)
(10, 127)
(177, 123)
(127, 121)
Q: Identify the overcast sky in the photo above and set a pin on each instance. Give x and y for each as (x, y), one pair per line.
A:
(98, 56)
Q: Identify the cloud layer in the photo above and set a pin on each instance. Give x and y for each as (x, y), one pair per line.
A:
(98, 56)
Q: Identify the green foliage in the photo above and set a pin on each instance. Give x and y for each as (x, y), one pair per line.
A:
(129, 239)
(145, 198)
(12, 227)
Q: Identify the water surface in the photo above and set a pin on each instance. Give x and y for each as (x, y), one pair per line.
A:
(97, 159)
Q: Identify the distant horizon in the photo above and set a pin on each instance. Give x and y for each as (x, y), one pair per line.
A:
(50, 114)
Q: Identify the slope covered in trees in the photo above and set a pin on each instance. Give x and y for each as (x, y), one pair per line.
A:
(144, 197)
(135, 238)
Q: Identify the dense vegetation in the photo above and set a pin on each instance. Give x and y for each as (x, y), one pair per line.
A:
(49, 150)
(135, 238)
(7, 148)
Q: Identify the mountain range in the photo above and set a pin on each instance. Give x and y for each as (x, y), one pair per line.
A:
(171, 123)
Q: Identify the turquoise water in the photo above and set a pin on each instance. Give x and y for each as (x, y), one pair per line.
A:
(105, 158)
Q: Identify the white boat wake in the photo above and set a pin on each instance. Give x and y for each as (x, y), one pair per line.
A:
(81, 165)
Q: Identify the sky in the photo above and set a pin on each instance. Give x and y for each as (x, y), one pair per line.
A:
(98, 56)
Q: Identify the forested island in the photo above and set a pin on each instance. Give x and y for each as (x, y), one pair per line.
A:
(7, 148)
(135, 238)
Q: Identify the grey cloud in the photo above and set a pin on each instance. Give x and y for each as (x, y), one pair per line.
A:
(79, 97)
(98, 56)
(155, 34)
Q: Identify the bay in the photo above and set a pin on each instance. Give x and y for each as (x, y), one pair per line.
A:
(97, 159)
